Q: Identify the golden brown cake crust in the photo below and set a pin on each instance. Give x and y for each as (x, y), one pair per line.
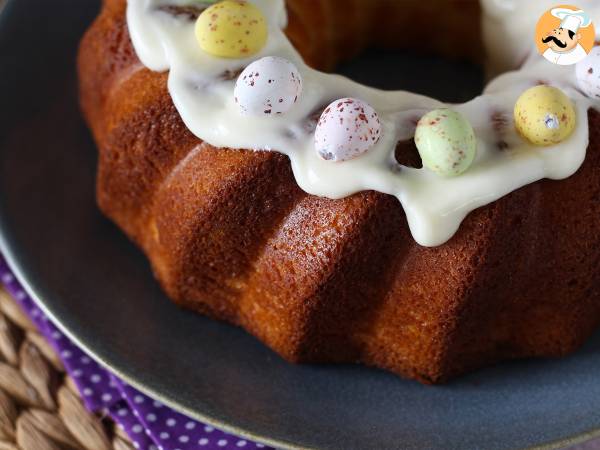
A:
(229, 234)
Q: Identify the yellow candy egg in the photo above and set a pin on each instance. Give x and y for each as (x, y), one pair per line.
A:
(544, 115)
(231, 29)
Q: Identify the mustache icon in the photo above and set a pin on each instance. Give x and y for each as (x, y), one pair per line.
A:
(557, 41)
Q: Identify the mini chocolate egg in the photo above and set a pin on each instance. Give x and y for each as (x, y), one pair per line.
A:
(270, 85)
(231, 29)
(446, 142)
(347, 128)
(544, 115)
(588, 74)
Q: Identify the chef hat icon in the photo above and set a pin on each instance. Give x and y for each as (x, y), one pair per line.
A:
(572, 20)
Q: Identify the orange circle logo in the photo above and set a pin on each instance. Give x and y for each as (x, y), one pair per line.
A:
(565, 35)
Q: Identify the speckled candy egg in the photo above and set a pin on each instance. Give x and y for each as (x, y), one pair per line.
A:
(231, 29)
(544, 115)
(588, 74)
(446, 142)
(270, 85)
(347, 128)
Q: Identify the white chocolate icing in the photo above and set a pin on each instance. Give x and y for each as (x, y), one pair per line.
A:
(435, 206)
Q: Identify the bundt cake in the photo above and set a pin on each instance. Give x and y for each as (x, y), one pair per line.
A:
(308, 247)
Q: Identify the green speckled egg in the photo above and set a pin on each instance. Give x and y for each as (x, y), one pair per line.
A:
(446, 142)
(544, 115)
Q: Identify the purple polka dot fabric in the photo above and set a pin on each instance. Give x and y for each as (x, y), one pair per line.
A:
(149, 424)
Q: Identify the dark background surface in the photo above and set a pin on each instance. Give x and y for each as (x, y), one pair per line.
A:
(448, 81)
(100, 289)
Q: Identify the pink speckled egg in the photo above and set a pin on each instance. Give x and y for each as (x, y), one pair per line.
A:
(347, 128)
(588, 74)
(270, 85)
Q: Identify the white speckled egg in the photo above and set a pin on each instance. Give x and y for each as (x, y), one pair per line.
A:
(588, 74)
(347, 128)
(270, 85)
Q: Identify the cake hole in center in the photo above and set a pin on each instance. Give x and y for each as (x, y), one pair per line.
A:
(439, 78)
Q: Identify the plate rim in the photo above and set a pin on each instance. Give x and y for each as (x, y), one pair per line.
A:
(13, 261)
(18, 272)
(14, 265)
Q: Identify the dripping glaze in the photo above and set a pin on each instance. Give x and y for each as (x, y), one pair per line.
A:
(435, 206)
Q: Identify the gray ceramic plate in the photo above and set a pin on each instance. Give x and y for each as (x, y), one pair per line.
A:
(99, 288)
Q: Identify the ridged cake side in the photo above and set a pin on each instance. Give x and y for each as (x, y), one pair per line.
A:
(229, 233)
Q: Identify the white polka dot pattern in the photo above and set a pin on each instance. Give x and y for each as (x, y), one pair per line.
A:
(149, 424)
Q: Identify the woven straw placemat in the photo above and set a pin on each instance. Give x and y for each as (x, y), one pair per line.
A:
(40, 406)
